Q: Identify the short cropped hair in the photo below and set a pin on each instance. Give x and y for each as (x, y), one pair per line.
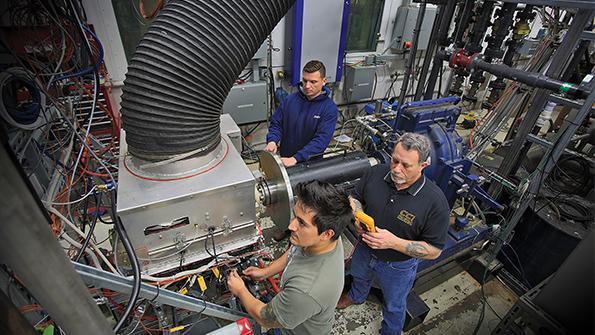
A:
(330, 205)
(315, 65)
(417, 142)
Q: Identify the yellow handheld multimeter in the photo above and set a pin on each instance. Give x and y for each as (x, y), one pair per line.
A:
(365, 221)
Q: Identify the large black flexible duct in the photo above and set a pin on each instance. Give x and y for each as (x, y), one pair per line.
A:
(183, 69)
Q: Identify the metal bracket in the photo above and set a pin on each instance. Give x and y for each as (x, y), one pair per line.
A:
(104, 279)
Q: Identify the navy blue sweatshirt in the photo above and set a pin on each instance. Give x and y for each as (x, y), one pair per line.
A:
(303, 127)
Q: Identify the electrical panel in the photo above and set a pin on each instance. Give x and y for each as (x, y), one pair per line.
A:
(247, 103)
(402, 37)
(359, 81)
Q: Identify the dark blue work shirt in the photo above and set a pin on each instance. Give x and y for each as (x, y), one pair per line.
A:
(417, 213)
(303, 127)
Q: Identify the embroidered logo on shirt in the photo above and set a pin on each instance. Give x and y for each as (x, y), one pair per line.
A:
(406, 217)
(317, 116)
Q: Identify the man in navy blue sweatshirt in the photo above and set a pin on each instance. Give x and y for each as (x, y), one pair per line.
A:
(303, 125)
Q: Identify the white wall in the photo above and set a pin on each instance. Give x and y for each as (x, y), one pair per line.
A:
(101, 14)
(280, 46)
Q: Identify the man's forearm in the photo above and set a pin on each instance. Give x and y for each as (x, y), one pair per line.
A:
(258, 310)
(417, 249)
(356, 205)
(277, 265)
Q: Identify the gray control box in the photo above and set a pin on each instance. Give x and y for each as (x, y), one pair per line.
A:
(405, 24)
(359, 81)
(247, 103)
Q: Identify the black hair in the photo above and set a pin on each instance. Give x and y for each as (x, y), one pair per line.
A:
(315, 65)
(330, 205)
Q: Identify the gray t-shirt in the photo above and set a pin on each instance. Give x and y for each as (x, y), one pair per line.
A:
(310, 289)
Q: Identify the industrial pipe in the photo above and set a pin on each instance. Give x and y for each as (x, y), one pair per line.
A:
(464, 15)
(413, 51)
(334, 170)
(429, 51)
(445, 21)
(278, 183)
(473, 62)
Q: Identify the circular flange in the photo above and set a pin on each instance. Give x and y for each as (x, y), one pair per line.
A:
(280, 203)
(176, 169)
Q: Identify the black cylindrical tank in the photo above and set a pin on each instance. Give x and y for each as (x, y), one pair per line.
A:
(335, 170)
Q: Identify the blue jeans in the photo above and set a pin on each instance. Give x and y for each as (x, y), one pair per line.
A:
(395, 280)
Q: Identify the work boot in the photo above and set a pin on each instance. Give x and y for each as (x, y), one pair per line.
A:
(344, 301)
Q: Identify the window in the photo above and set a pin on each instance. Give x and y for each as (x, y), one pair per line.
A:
(364, 24)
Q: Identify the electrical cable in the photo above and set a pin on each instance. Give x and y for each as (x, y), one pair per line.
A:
(82, 235)
(375, 85)
(517, 258)
(207, 245)
(133, 261)
(518, 270)
(187, 331)
(248, 132)
(96, 84)
(483, 299)
(440, 81)
(51, 203)
(59, 109)
(390, 88)
(179, 275)
(214, 249)
(77, 245)
(580, 212)
(83, 142)
(571, 175)
(83, 31)
(111, 231)
(27, 116)
(91, 228)
(246, 75)
(88, 130)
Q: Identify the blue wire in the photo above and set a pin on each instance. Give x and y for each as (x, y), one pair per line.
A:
(31, 111)
(89, 69)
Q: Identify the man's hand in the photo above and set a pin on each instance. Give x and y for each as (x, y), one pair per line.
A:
(381, 239)
(235, 283)
(271, 147)
(358, 228)
(255, 273)
(288, 161)
(384, 239)
(356, 205)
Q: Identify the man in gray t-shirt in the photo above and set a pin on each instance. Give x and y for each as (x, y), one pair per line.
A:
(313, 266)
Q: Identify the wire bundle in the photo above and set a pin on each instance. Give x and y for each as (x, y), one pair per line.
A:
(25, 115)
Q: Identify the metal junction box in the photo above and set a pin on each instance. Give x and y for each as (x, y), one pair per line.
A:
(231, 129)
(247, 103)
(405, 24)
(169, 222)
(359, 81)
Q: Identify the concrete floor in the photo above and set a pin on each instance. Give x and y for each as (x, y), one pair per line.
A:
(454, 309)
